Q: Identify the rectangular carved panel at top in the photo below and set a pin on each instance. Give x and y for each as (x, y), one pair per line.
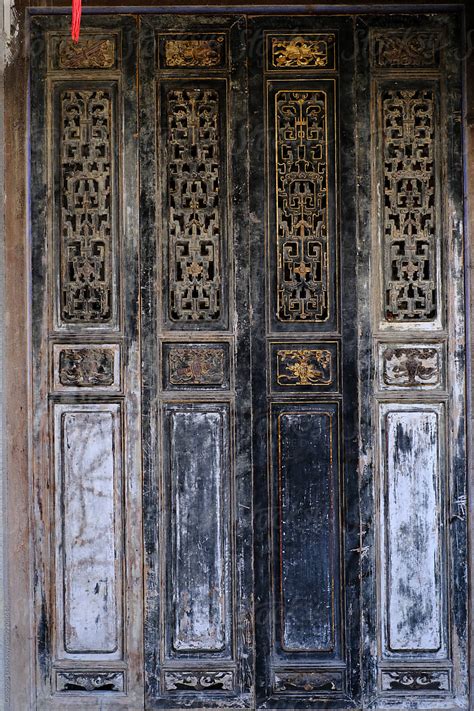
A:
(407, 48)
(197, 365)
(412, 529)
(94, 50)
(186, 51)
(408, 125)
(306, 497)
(301, 205)
(418, 366)
(86, 214)
(308, 51)
(195, 204)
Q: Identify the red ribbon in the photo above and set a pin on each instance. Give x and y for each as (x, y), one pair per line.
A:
(76, 19)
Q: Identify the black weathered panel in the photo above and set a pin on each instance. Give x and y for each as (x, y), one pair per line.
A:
(197, 465)
(307, 483)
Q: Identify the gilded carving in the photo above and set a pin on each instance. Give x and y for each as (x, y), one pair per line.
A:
(301, 209)
(405, 48)
(86, 367)
(199, 681)
(86, 206)
(301, 51)
(196, 366)
(412, 680)
(194, 52)
(411, 366)
(194, 205)
(90, 681)
(304, 367)
(87, 54)
(409, 224)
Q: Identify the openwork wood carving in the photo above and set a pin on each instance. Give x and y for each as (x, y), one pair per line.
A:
(199, 681)
(194, 204)
(302, 214)
(411, 366)
(90, 681)
(194, 53)
(412, 680)
(87, 54)
(410, 253)
(302, 51)
(191, 366)
(86, 367)
(308, 681)
(304, 367)
(405, 49)
(86, 207)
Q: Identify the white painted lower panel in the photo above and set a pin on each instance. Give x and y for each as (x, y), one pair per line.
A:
(411, 524)
(88, 530)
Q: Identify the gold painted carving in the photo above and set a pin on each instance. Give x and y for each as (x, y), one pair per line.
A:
(87, 54)
(301, 51)
(410, 250)
(196, 366)
(301, 206)
(86, 206)
(194, 53)
(304, 367)
(194, 205)
(405, 49)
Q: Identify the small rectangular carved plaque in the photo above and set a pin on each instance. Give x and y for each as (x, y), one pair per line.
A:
(407, 680)
(405, 48)
(304, 367)
(196, 365)
(312, 51)
(199, 681)
(191, 52)
(88, 53)
(408, 366)
(85, 367)
(90, 681)
(308, 682)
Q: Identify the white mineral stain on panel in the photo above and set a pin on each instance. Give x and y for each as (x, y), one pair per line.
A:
(412, 532)
(88, 485)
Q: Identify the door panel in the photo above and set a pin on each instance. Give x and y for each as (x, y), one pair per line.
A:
(248, 459)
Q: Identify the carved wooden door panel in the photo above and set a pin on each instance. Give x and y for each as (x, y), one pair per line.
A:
(248, 460)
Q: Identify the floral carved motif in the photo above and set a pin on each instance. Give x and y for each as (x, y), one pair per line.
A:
(411, 366)
(406, 49)
(304, 367)
(300, 51)
(194, 53)
(411, 680)
(86, 367)
(94, 681)
(308, 682)
(87, 54)
(199, 681)
(196, 366)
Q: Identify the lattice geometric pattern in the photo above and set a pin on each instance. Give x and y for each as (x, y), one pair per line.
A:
(302, 213)
(409, 227)
(86, 208)
(194, 204)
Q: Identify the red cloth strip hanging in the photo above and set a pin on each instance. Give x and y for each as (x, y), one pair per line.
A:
(76, 19)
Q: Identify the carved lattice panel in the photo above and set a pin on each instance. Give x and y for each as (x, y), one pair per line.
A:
(195, 225)
(301, 204)
(86, 222)
(409, 223)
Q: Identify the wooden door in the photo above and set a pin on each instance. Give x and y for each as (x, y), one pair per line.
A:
(248, 362)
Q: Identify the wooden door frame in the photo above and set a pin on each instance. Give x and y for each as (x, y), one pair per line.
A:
(16, 397)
